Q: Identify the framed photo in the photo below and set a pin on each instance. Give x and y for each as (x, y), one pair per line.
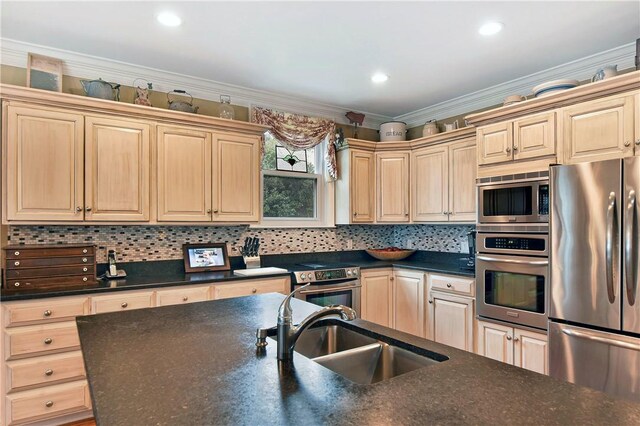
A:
(205, 257)
(44, 72)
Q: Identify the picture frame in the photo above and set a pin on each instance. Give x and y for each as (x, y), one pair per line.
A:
(44, 72)
(205, 257)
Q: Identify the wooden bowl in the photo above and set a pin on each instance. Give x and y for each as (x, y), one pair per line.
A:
(389, 255)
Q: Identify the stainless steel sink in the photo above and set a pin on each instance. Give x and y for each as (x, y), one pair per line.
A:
(359, 358)
(374, 363)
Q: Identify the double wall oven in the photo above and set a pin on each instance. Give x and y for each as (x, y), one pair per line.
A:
(330, 284)
(512, 262)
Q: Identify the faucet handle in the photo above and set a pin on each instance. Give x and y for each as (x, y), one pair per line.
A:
(285, 313)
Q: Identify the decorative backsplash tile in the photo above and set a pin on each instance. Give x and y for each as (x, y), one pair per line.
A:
(140, 243)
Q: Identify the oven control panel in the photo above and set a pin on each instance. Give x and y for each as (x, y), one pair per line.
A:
(515, 243)
(327, 275)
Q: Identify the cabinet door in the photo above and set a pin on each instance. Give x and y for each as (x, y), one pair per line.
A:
(408, 302)
(462, 181)
(116, 169)
(451, 320)
(534, 136)
(430, 183)
(637, 109)
(376, 295)
(236, 178)
(392, 182)
(45, 154)
(599, 130)
(363, 186)
(530, 351)
(184, 175)
(494, 143)
(495, 341)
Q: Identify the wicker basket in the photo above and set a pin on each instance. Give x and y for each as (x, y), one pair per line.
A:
(389, 255)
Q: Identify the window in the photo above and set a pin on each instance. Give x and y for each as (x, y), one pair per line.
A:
(293, 186)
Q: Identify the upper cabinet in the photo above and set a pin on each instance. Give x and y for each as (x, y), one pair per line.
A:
(91, 161)
(494, 143)
(392, 184)
(599, 130)
(117, 165)
(355, 189)
(43, 172)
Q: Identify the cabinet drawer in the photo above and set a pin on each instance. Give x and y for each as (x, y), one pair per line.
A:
(44, 312)
(41, 339)
(50, 282)
(451, 284)
(49, 261)
(44, 370)
(52, 401)
(182, 295)
(50, 272)
(249, 288)
(23, 252)
(121, 302)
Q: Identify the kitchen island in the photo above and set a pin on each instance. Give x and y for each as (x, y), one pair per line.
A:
(198, 364)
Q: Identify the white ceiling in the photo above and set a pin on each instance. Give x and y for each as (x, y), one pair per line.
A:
(327, 51)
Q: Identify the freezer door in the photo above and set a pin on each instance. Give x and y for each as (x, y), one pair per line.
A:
(631, 246)
(585, 243)
(604, 361)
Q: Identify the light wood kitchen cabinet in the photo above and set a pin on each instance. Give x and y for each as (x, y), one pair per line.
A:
(522, 348)
(236, 178)
(251, 287)
(184, 174)
(376, 296)
(44, 164)
(177, 296)
(125, 301)
(117, 166)
(34, 340)
(534, 136)
(408, 302)
(355, 189)
(392, 187)
(495, 143)
(462, 181)
(44, 371)
(599, 130)
(451, 320)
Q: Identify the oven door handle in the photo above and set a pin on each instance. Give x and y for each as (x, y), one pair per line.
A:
(520, 262)
(327, 289)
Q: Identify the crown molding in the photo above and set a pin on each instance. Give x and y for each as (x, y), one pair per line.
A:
(580, 69)
(14, 53)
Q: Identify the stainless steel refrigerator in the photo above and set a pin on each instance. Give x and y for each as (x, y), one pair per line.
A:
(594, 328)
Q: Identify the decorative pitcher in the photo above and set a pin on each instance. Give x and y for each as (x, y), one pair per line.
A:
(605, 72)
(430, 128)
(101, 89)
(178, 105)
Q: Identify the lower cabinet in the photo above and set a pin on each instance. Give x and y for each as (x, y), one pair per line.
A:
(451, 320)
(522, 348)
(248, 288)
(376, 296)
(408, 302)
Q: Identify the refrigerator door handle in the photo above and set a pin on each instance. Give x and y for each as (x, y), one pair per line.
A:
(631, 267)
(595, 337)
(611, 216)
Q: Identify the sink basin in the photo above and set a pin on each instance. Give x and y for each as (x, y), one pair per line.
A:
(359, 358)
(374, 363)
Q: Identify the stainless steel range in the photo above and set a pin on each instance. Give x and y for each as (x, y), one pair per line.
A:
(331, 284)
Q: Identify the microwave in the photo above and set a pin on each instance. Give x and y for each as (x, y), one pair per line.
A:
(514, 201)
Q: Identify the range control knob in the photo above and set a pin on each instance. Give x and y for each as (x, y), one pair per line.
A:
(303, 276)
(349, 273)
(355, 272)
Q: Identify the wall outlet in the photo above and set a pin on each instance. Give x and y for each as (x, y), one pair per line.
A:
(464, 246)
(409, 243)
(350, 244)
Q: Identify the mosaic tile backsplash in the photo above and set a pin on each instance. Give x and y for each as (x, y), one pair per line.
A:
(140, 243)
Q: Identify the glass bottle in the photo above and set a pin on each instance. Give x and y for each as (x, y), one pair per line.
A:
(226, 110)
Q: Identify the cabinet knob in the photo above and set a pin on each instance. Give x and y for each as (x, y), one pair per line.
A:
(638, 142)
(85, 269)
(124, 304)
(17, 253)
(448, 285)
(84, 259)
(49, 403)
(355, 214)
(48, 372)
(208, 211)
(84, 251)
(185, 298)
(16, 263)
(508, 337)
(17, 284)
(47, 313)
(48, 341)
(508, 150)
(254, 290)
(627, 143)
(516, 338)
(430, 301)
(215, 211)
(88, 209)
(84, 279)
(391, 279)
(515, 148)
(406, 214)
(78, 209)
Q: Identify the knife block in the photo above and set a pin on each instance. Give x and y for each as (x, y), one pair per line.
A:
(251, 262)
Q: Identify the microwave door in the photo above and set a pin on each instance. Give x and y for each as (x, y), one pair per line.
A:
(631, 246)
(586, 243)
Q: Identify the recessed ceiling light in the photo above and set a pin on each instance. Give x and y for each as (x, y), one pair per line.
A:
(490, 28)
(379, 77)
(169, 19)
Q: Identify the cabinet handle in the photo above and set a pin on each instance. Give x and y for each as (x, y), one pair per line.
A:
(215, 211)
(84, 279)
(48, 372)
(48, 341)
(47, 313)
(88, 209)
(448, 285)
(85, 269)
(84, 259)
(508, 150)
(638, 142)
(516, 338)
(508, 337)
(49, 403)
(16, 263)
(17, 284)
(78, 209)
(124, 304)
(430, 301)
(208, 211)
(84, 251)
(254, 290)
(515, 148)
(185, 298)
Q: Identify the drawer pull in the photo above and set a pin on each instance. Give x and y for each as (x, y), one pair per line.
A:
(48, 372)
(17, 253)
(185, 298)
(17, 284)
(16, 263)
(48, 341)
(85, 269)
(84, 259)
(84, 251)
(84, 278)
(47, 313)
(124, 304)
(254, 290)
(448, 285)
(49, 403)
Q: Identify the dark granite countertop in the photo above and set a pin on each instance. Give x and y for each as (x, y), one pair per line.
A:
(196, 364)
(141, 275)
